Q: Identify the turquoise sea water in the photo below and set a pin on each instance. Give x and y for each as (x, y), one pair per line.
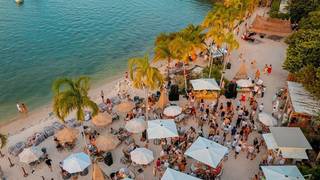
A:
(45, 39)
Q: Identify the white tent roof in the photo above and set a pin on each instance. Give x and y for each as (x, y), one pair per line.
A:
(172, 111)
(282, 173)
(244, 83)
(271, 143)
(171, 174)
(207, 151)
(142, 156)
(302, 101)
(30, 154)
(76, 162)
(267, 119)
(162, 128)
(205, 84)
(294, 153)
(289, 137)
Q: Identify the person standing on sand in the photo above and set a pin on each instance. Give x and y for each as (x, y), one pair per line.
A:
(269, 69)
(49, 163)
(19, 107)
(265, 69)
(257, 75)
(102, 96)
(24, 108)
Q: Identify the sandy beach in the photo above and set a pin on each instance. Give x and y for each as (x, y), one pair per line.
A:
(265, 51)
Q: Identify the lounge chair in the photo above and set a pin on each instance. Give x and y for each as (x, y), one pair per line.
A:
(48, 131)
(16, 149)
(57, 125)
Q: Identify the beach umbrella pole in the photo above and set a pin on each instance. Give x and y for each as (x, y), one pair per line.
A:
(25, 174)
(11, 164)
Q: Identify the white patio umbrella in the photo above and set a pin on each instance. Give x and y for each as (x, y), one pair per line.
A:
(172, 111)
(162, 128)
(136, 125)
(267, 119)
(171, 174)
(207, 152)
(244, 83)
(141, 156)
(30, 154)
(76, 162)
(282, 173)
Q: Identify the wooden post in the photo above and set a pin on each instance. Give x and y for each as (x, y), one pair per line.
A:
(11, 164)
(1, 155)
(42, 177)
(25, 174)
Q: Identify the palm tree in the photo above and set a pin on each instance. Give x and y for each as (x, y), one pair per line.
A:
(3, 142)
(72, 95)
(144, 76)
(162, 50)
(185, 43)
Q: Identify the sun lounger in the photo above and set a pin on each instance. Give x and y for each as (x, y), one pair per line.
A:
(73, 123)
(57, 125)
(102, 107)
(115, 100)
(48, 131)
(16, 149)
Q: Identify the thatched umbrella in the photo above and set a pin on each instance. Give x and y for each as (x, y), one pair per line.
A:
(125, 107)
(163, 100)
(97, 173)
(242, 72)
(107, 142)
(136, 125)
(102, 119)
(67, 135)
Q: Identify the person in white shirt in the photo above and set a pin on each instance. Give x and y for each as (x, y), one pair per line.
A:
(19, 107)
(237, 151)
(250, 153)
(261, 107)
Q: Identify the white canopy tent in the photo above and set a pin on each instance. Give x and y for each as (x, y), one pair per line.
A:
(267, 119)
(290, 141)
(76, 162)
(171, 174)
(162, 128)
(172, 111)
(136, 125)
(205, 84)
(207, 152)
(142, 156)
(282, 173)
(244, 83)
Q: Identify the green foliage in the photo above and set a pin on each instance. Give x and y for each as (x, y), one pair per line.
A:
(299, 9)
(70, 95)
(215, 72)
(311, 22)
(3, 140)
(304, 49)
(314, 171)
(274, 9)
(303, 53)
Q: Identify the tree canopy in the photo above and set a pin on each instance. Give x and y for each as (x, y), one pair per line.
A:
(303, 53)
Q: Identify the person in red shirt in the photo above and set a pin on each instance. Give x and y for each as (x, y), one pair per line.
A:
(243, 99)
(269, 69)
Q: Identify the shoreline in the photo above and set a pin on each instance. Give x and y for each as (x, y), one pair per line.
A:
(42, 113)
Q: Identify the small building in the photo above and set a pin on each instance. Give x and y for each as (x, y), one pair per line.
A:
(205, 88)
(300, 105)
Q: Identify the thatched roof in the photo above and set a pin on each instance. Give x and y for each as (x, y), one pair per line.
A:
(271, 26)
(302, 101)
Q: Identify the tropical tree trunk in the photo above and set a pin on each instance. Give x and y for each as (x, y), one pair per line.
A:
(223, 70)
(210, 64)
(147, 104)
(185, 77)
(168, 69)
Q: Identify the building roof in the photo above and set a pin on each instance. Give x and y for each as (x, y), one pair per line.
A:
(289, 137)
(205, 84)
(302, 101)
(271, 26)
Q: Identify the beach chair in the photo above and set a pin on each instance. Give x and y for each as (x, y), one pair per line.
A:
(57, 125)
(16, 149)
(48, 131)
